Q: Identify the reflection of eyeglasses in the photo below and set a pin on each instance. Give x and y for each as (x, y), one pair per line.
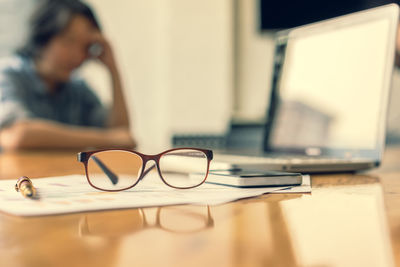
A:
(117, 170)
(178, 219)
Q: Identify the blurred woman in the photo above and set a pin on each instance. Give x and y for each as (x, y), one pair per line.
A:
(42, 103)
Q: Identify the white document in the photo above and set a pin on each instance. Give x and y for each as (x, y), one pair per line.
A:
(68, 194)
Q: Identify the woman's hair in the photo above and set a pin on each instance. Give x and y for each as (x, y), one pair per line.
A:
(49, 20)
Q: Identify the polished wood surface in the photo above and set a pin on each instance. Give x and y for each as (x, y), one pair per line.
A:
(348, 220)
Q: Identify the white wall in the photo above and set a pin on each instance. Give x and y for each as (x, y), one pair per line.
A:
(201, 65)
(255, 51)
(176, 61)
(13, 18)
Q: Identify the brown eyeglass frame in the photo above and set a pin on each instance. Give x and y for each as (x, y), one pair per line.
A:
(84, 158)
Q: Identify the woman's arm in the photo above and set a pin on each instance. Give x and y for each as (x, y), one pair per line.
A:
(38, 133)
(119, 112)
(29, 135)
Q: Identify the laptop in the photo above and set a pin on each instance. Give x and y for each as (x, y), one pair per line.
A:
(329, 96)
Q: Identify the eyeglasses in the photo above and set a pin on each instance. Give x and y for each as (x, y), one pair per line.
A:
(121, 169)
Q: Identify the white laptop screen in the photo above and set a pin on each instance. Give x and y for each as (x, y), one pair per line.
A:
(331, 87)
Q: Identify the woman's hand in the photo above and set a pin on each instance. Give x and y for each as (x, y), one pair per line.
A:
(119, 113)
(107, 55)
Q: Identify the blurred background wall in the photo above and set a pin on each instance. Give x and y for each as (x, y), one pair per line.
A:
(13, 19)
(188, 66)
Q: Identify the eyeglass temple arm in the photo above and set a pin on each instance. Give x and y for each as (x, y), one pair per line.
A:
(147, 171)
(113, 178)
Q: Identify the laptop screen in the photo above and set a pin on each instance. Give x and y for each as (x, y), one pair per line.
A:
(329, 84)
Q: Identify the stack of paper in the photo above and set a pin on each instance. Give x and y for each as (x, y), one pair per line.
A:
(67, 194)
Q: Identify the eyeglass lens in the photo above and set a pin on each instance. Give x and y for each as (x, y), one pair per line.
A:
(114, 169)
(184, 168)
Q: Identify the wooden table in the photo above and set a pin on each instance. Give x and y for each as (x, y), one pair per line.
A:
(348, 220)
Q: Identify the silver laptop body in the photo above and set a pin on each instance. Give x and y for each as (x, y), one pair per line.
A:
(329, 96)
